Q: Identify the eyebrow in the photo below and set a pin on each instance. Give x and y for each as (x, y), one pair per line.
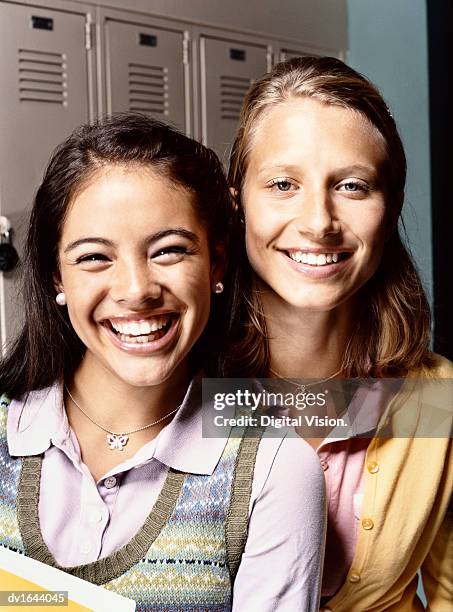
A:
(357, 168)
(174, 231)
(294, 168)
(278, 168)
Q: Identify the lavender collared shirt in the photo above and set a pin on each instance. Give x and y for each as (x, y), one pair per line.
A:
(83, 520)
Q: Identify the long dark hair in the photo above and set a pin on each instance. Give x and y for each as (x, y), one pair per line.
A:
(47, 348)
(394, 324)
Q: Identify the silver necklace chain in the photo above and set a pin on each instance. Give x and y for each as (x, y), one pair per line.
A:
(302, 386)
(117, 440)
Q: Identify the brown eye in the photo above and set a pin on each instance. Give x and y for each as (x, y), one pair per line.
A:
(171, 254)
(92, 258)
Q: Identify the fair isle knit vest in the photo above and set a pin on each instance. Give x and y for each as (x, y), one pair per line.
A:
(185, 555)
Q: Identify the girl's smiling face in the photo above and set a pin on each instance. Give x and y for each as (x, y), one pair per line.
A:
(135, 265)
(314, 202)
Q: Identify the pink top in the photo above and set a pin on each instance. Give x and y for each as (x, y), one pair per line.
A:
(342, 460)
(82, 520)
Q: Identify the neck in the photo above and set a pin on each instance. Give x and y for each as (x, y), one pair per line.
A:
(306, 343)
(120, 406)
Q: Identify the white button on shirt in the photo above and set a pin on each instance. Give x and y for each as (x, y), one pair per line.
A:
(82, 520)
(95, 516)
(110, 482)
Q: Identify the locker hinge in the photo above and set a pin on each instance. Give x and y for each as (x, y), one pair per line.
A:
(270, 59)
(88, 35)
(186, 49)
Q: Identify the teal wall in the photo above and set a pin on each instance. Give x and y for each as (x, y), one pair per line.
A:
(388, 43)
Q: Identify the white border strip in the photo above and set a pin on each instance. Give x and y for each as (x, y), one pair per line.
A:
(52, 579)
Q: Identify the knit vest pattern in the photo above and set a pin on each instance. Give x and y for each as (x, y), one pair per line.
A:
(183, 558)
(10, 536)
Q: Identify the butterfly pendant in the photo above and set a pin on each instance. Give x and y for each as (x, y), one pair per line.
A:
(117, 442)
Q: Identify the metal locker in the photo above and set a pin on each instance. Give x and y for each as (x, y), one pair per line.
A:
(286, 54)
(228, 68)
(44, 85)
(145, 71)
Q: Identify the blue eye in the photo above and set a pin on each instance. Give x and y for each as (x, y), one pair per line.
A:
(353, 187)
(281, 184)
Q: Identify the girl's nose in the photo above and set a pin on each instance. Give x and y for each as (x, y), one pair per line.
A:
(316, 217)
(134, 284)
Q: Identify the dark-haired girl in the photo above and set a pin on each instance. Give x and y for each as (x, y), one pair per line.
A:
(105, 473)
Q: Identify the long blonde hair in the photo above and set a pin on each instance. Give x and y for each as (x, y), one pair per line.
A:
(393, 328)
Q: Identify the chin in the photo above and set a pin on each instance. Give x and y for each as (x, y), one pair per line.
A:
(148, 377)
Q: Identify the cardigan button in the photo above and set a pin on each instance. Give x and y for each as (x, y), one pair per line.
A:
(354, 576)
(367, 524)
(373, 467)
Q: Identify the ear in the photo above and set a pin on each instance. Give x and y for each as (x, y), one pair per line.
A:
(58, 285)
(218, 263)
(234, 194)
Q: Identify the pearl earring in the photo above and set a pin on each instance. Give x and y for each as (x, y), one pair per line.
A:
(60, 299)
(218, 287)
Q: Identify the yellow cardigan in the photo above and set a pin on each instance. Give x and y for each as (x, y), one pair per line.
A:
(407, 512)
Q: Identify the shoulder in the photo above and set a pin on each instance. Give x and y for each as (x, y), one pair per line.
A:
(439, 367)
(423, 406)
(282, 560)
(288, 466)
(442, 367)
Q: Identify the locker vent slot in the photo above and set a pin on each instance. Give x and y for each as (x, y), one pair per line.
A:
(148, 89)
(42, 77)
(232, 92)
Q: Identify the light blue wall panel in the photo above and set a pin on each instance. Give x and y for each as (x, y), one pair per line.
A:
(388, 43)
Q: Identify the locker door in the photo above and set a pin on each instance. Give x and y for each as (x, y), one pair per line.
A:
(145, 71)
(228, 68)
(44, 85)
(286, 54)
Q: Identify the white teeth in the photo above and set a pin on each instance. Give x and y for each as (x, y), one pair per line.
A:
(136, 339)
(314, 259)
(134, 329)
(140, 328)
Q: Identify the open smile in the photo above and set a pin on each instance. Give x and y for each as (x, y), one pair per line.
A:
(315, 263)
(142, 334)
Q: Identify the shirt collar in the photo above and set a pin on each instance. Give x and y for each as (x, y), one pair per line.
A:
(364, 411)
(39, 421)
(181, 444)
(36, 421)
